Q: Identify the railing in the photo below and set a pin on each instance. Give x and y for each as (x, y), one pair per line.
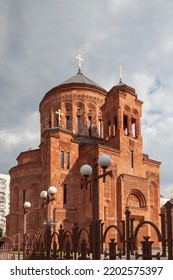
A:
(77, 243)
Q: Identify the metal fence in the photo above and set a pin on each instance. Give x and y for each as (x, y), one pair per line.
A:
(77, 243)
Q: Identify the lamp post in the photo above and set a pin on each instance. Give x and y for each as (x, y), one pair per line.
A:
(26, 207)
(86, 170)
(48, 196)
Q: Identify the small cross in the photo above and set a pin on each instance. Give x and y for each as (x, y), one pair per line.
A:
(80, 59)
(59, 116)
(171, 194)
(120, 69)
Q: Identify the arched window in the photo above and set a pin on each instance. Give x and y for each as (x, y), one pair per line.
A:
(62, 159)
(134, 127)
(100, 128)
(125, 125)
(115, 126)
(109, 129)
(89, 125)
(136, 199)
(68, 160)
(78, 125)
(131, 159)
(65, 194)
(50, 121)
(67, 122)
(67, 118)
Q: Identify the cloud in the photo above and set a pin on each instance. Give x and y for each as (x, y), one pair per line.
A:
(24, 135)
(39, 42)
(9, 138)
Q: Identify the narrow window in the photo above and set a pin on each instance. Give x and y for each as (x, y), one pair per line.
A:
(68, 160)
(131, 159)
(65, 194)
(50, 122)
(68, 122)
(89, 125)
(57, 122)
(78, 125)
(115, 126)
(105, 213)
(24, 196)
(62, 159)
(109, 129)
(125, 124)
(100, 128)
(134, 128)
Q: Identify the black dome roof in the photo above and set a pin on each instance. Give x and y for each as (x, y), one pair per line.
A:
(79, 78)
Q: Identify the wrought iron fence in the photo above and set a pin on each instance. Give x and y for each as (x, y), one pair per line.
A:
(77, 243)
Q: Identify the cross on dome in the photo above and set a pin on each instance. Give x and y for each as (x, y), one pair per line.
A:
(120, 69)
(80, 59)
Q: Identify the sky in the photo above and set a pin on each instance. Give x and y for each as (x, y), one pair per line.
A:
(39, 41)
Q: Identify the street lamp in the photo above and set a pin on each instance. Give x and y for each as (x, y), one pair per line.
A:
(104, 161)
(86, 170)
(48, 196)
(26, 207)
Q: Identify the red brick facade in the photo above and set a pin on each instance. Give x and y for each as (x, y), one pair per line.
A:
(93, 122)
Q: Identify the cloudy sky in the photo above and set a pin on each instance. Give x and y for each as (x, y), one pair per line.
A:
(39, 40)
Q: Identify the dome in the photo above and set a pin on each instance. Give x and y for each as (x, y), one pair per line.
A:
(77, 81)
(79, 78)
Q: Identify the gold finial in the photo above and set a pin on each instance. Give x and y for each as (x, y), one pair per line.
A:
(120, 69)
(59, 113)
(80, 59)
(171, 194)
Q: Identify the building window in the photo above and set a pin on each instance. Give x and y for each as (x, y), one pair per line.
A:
(50, 122)
(62, 159)
(115, 126)
(109, 129)
(105, 213)
(68, 122)
(89, 125)
(100, 128)
(24, 196)
(68, 160)
(131, 159)
(78, 124)
(57, 122)
(65, 194)
(125, 125)
(134, 127)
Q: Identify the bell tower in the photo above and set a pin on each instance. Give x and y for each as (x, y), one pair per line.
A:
(122, 113)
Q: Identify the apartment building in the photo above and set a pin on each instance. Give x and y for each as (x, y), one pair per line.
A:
(4, 201)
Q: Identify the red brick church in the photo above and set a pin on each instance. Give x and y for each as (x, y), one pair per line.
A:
(79, 121)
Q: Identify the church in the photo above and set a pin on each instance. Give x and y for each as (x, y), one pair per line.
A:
(80, 121)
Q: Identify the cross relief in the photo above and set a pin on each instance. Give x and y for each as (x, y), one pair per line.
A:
(59, 113)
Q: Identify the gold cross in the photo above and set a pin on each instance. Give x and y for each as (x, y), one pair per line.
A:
(59, 116)
(120, 69)
(171, 194)
(80, 59)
